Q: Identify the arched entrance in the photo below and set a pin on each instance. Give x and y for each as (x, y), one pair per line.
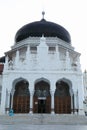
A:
(42, 98)
(21, 98)
(62, 98)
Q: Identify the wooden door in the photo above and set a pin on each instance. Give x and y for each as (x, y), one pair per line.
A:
(62, 98)
(48, 104)
(21, 98)
(63, 105)
(21, 104)
(35, 104)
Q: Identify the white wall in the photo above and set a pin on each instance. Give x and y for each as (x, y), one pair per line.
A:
(42, 65)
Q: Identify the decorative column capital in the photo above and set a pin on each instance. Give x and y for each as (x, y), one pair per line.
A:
(8, 91)
(52, 93)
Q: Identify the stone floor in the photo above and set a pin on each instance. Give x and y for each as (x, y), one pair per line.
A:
(43, 122)
(43, 119)
(43, 127)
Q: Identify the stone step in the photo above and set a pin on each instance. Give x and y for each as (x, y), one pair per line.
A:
(43, 119)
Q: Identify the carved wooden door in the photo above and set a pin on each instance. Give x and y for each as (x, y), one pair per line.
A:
(63, 105)
(21, 104)
(21, 98)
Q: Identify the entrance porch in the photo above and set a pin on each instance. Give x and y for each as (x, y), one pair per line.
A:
(42, 98)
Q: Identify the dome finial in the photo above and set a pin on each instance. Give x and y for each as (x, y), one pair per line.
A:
(43, 13)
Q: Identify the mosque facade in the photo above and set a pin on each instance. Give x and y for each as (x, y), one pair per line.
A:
(42, 72)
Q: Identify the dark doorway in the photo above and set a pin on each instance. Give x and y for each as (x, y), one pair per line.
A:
(42, 98)
(41, 106)
(21, 99)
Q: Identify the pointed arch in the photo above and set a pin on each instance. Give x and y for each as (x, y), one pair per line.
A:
(42, 79)
(21, 96)
(62, 96)
(69, 83)
(42, 96)
(19, 80)
(65, 80)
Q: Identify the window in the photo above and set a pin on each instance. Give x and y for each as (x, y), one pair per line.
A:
(33, 49)
(52, 49)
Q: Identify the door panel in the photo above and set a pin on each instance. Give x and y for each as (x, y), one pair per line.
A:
(21, 104)
(48, 104)
(35, 104)
(63, 105)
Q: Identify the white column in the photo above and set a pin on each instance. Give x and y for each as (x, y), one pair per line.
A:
(52, 87)
(12, 94)
(31, 88)
(8, 100)
(78, 64)
(57, 57)
(80, 93)
(57, 52)
(31, 102)
(11, 101)
(3, 98)
(75, 102)
(6, 63)
(17, 59)
(8, 103)
(27, 54)
(67, 60)
(52, 102)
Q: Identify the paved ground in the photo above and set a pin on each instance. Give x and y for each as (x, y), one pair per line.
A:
(43, 122)
(43, 119)
(43, 127)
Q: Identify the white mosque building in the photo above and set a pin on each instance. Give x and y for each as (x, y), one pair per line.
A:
(41, 73)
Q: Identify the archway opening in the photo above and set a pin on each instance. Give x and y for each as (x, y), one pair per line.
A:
(62, 98)
(21, 98)
(42, 98)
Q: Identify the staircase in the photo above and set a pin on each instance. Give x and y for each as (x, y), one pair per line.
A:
(46, 119)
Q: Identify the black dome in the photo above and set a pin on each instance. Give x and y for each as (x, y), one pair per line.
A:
(38, 28)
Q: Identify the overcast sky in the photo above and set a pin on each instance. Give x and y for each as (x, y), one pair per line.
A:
(71, 14)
